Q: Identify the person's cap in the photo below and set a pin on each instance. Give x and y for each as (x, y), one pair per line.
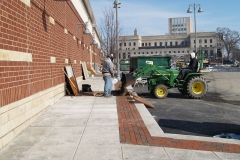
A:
(192, 55)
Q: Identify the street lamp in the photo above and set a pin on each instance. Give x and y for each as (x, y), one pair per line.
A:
(199, 11)
(116, 5)
(222, 53)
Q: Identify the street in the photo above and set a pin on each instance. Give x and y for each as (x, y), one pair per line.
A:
(218, 112)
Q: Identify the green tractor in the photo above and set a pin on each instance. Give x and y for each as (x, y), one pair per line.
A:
(193, 85)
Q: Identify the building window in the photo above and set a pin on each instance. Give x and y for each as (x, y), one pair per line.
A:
(145, 44)
(210, 40)
(161, 44)
(210, 45)
(119, 56)
(134, 43)
(151, 52)
(142, 44)
(170, 43)
(138, 52)
(176, 43)
(124, 55)
(182, 51)
(147, 52)
(128, 55)
(134, 52)
(120, 44)
(194, 41)
(169, 51)
(178, 51)
(155, 43)
(124, 44)
(205, 40)
(149, 44)
(129, 44)
(142, 52)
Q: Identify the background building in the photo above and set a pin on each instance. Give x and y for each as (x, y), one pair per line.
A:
(181, 25)
(177, 44)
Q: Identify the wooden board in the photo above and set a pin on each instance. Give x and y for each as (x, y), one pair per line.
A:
(144, 101)
(69, 71)
(98, 93)
(93, 72)
(74, 86)
(71, 79)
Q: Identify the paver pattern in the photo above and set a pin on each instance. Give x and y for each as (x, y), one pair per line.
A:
(132, 130)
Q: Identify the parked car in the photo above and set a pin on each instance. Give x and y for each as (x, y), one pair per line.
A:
(228, 62)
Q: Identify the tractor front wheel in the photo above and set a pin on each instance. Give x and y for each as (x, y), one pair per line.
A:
(160, 91)
(196, 88)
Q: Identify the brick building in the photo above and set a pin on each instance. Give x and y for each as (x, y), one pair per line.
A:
(37, 39)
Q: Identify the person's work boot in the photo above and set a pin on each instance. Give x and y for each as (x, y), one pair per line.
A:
(108, 96)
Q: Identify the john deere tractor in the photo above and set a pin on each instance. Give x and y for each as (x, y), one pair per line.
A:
(161, 79)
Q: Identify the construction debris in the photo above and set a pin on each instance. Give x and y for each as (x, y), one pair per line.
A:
(142, 100)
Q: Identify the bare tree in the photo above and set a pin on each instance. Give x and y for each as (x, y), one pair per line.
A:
(108, 31)
(229, 38)
(236, 53)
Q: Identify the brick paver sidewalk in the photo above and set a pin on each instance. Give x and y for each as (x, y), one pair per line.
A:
(133, 131)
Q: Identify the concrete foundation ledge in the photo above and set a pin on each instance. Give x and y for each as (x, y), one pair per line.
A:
(17, 116)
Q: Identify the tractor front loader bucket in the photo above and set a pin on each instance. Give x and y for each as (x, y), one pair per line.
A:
(127, 80)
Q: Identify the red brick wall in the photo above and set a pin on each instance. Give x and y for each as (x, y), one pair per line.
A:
(27, 29)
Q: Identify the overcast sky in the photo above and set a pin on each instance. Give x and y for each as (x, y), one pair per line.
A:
(150, 17)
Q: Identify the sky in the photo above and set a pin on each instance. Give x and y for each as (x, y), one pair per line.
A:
(150, 17)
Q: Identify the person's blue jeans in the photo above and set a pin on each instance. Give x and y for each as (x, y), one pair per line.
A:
(108, 85)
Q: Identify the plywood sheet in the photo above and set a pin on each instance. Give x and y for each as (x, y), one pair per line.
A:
(74, 86)
(93, 72)
(71, 79)
(85, 71)
(144, 101)
(69, 71)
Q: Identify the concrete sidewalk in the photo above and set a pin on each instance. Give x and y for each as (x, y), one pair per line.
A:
(98, 128)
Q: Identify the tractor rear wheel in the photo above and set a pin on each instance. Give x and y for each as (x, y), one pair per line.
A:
(160, 91)
(196, 88)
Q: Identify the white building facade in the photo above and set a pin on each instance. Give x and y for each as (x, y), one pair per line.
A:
(181, 25)
(175, 45)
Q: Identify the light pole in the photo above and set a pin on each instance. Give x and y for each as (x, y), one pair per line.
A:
(199, 11)
(116, 5)
(222, 53)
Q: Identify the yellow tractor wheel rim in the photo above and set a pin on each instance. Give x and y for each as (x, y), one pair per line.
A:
(197, 87)
(161, 92)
